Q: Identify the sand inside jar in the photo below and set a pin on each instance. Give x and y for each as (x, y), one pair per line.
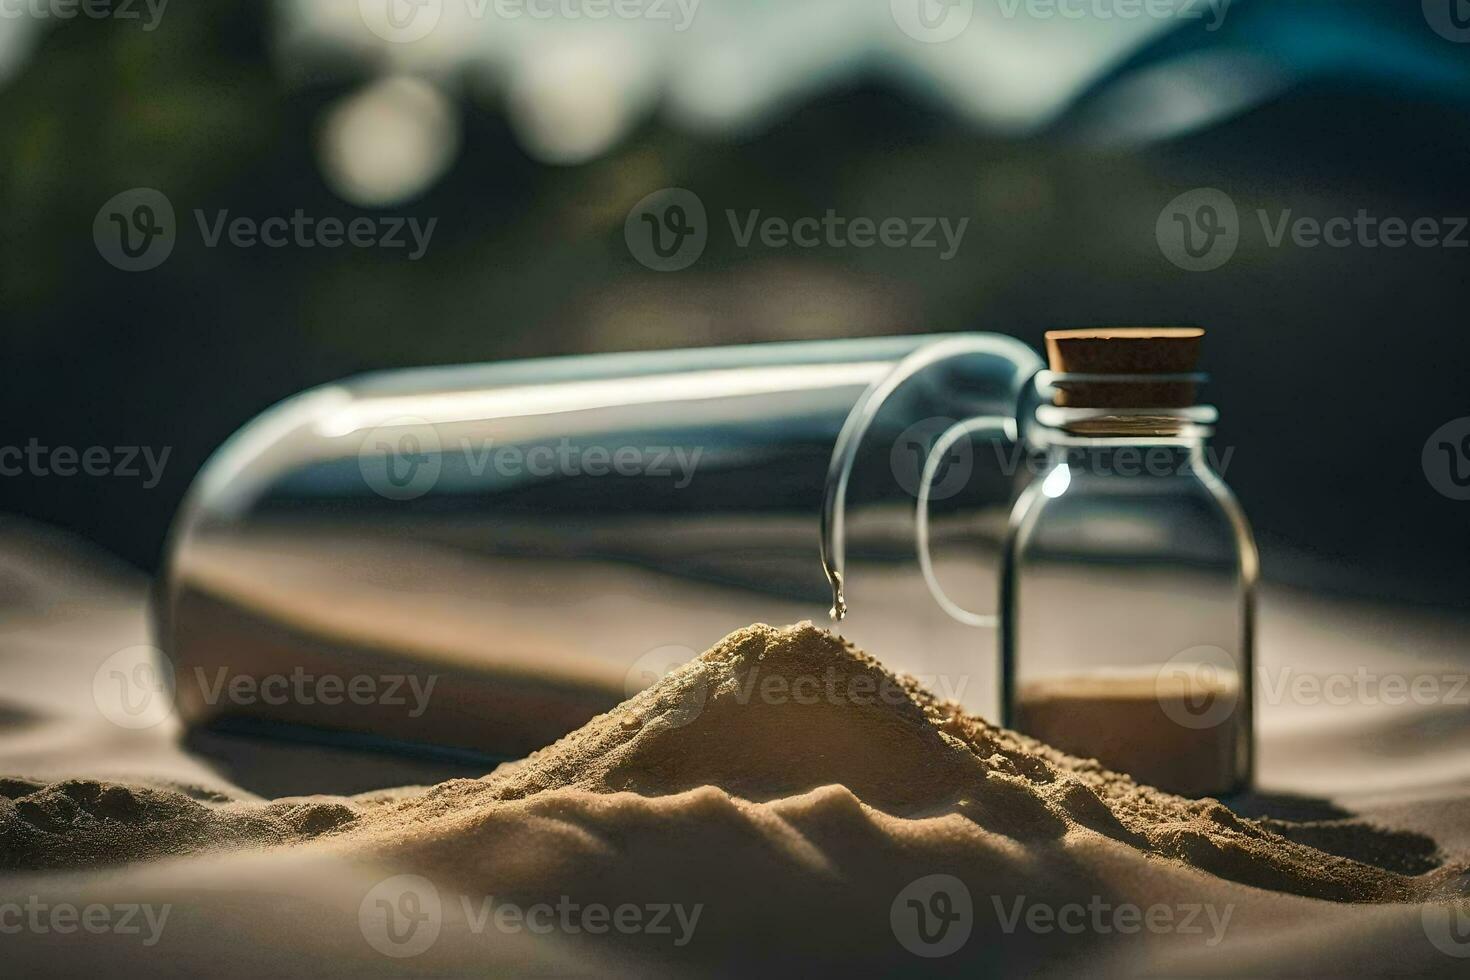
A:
(1182, 728)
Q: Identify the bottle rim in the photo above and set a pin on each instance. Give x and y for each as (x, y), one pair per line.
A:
(1154, 425)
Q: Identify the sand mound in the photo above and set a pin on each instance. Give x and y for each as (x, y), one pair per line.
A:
(765, 714)
(784, 737)
(769, 714)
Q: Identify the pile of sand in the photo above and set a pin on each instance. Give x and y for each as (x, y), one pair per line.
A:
(780, 772)
(769, 714)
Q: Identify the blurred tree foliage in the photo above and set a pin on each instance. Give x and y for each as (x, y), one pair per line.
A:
(1333, 365)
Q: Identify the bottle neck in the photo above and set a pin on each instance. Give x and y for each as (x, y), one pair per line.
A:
(1132, 443)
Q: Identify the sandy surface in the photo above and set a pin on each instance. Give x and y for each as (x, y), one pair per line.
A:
(704, 826)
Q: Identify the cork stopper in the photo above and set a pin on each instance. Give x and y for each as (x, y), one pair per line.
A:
(1125, 350)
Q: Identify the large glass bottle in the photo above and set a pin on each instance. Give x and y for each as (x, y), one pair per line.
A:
(540, 539)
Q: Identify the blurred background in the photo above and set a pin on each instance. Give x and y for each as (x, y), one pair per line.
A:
(527, 130)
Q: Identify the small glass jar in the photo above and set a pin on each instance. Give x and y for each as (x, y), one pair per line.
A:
(1128, 598)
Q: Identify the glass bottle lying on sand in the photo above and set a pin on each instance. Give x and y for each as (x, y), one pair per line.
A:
(541, 539)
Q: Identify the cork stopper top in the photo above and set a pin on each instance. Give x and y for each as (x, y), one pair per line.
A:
(1125, 351)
